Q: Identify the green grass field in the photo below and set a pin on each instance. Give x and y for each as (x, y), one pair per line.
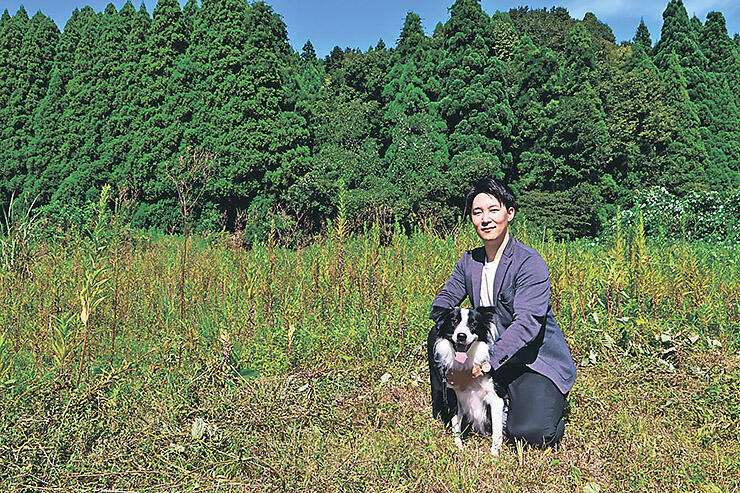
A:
(219, 368)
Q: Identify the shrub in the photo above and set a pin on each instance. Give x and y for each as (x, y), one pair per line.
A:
(711, 216)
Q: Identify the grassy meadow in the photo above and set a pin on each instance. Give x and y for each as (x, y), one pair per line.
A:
(157, 363)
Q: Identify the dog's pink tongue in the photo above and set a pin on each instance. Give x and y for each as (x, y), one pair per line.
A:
(461, 357)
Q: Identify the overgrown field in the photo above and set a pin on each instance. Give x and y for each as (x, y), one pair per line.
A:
(223, 368)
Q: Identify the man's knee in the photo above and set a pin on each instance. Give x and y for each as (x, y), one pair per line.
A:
(536, 434)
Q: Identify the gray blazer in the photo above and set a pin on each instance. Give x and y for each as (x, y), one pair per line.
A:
(528, 332)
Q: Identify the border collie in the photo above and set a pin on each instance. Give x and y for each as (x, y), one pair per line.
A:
(463, 338)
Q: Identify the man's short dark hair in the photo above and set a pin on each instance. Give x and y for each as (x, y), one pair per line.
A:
(491, 186)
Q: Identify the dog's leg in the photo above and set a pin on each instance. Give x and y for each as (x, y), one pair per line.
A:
(457, 428)
(497, 425)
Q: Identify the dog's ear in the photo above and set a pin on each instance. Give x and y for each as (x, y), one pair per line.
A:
(484, 315)
(439, 314)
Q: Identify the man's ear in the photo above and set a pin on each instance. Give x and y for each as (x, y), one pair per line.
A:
(511, 213)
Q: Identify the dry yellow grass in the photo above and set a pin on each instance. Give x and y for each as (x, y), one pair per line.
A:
(280, 353)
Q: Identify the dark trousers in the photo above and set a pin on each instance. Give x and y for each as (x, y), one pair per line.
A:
(535, 404)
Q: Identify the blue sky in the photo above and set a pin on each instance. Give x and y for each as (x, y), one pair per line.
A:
(359, 24)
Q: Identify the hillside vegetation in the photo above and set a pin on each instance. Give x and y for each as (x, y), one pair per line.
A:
(574, 120)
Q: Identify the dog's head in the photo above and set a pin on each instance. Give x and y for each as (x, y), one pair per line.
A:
(463, 326)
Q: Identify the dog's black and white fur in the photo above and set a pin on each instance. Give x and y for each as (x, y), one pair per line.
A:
(461, 330)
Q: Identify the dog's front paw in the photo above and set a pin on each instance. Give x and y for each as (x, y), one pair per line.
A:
(496, 447)
(458, 443)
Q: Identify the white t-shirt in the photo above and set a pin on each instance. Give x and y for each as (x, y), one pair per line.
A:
(486, 284)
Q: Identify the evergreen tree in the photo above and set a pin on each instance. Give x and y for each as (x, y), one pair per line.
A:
(47, 164)
(597, 29)
(111, 75)
(678, 36)
(309, 80)
(158, 137)
(127, 118)
(709, 96)
(350, 118)
(546, 28)
(245, 117)
(685, 155)
(308, 54)
(580, 141)
(723, 101)
(190, 12)
(474, 101)
(81, 117)
(504, 37)
(412, 40)
(722, 54)
(696, 25)
(284, 146)
(639, 119)
(642, 37)
(15, 86)
(31, 64)
(12, 30)
(334, 58)
(417, 156)
(537, 91)
(562, 139)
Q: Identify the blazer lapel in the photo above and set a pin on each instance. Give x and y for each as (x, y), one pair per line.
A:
(503, 266)
(476, 270)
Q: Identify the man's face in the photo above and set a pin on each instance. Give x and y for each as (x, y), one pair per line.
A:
(490, 217)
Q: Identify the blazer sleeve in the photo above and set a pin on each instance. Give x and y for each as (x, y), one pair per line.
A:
(454, 291)
(531, 304)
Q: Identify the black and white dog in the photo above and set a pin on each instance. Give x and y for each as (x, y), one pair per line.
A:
(463, 338)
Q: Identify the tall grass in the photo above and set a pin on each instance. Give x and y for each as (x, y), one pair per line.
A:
(280, 355)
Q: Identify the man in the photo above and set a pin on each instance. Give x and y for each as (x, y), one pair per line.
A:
(530, 360)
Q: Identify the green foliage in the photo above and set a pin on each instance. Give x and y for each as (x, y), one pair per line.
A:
(62, 340)
(709, 216)
(567, 214)
(548, 102)
(642, 37)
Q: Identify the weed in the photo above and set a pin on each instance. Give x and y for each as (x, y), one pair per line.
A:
(190, 177)
(18, 237)
(273, 380)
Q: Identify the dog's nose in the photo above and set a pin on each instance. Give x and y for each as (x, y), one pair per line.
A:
(460, 337)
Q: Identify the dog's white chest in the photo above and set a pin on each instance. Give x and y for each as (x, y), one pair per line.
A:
(475, 400)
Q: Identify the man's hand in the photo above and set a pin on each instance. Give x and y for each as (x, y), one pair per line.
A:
(462, 378)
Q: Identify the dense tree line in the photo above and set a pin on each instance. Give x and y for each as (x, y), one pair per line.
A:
(552, 104)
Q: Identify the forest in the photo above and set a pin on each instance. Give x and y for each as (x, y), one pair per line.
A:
(581, 126)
